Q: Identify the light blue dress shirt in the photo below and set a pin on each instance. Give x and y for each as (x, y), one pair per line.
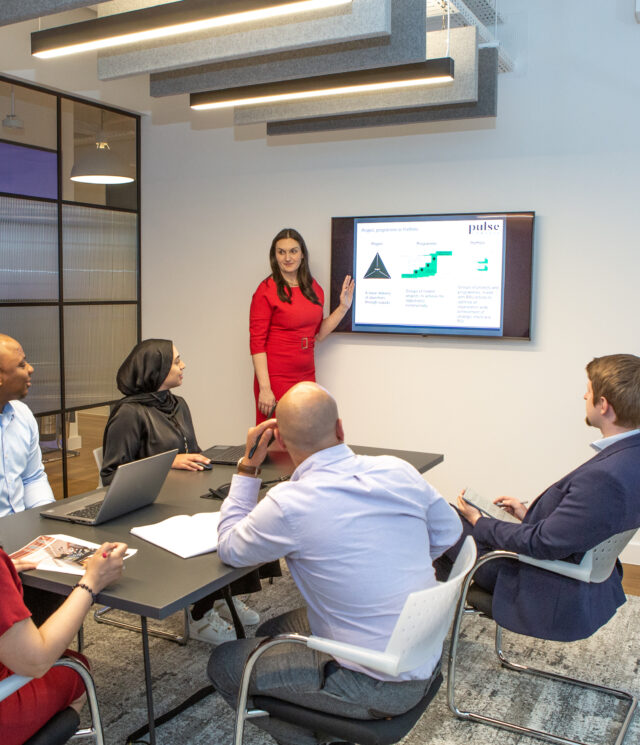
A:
(358, 533)
(23, 482)
(604, 442)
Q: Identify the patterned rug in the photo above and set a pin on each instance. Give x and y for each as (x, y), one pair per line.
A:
(611, 656)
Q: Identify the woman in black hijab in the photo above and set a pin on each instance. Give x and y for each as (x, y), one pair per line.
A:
(150, 419)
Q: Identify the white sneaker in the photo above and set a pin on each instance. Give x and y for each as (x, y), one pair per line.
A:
(211, 629)
(247, 615)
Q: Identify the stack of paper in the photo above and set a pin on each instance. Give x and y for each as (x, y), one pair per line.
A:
(184, 535)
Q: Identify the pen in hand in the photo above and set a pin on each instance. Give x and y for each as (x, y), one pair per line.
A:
(252, 452)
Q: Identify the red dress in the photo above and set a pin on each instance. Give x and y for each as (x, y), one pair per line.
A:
(28, 709)
(287, 333)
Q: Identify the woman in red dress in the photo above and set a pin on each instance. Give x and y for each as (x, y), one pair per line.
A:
(28, 650)
(286, 320)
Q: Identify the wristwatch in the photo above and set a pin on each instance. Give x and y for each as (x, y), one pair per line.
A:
(248, 470)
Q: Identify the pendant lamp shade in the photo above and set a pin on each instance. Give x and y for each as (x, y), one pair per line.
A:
(101, 166)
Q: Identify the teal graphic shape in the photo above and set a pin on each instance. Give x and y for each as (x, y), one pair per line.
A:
(377, 270)
(430, 269)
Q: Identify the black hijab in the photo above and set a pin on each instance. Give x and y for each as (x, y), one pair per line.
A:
(144, 371)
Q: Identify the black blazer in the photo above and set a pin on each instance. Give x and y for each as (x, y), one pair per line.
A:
(597, 500)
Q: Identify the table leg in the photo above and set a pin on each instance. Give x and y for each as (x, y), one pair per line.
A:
(147, 680)
(237, 623)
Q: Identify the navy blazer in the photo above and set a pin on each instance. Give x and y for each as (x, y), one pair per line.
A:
(597, 500)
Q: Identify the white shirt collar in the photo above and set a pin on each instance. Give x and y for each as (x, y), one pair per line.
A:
(604, 442)
(8, 411)
(322, 458)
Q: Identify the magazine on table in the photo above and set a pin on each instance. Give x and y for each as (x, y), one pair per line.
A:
(60, 553)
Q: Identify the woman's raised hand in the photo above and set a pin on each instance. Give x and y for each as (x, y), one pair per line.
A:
(346, 294)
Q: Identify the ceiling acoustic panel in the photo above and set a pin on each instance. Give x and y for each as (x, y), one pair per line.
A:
(407, 43)
(360, 20)
(485, 106)
(14, 11)
(464, 89)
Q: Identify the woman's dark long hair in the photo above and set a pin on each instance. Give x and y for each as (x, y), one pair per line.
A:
(305, 280)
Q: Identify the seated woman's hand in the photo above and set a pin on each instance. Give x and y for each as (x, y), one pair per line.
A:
(23, 565)
(190, 461)
(511, 505)
(105, 566)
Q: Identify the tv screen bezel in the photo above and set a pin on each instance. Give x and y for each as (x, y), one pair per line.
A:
(517, 282)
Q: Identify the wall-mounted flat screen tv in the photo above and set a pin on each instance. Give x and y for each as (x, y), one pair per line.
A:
(462, 275)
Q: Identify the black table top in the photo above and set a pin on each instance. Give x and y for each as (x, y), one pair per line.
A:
(157, 583)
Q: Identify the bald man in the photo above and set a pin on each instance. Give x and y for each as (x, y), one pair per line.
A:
(359, 534)
(23, 482)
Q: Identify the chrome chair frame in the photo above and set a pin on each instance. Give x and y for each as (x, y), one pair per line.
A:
(511, 726)
(181, 639)
(410, 644)
(15, 682)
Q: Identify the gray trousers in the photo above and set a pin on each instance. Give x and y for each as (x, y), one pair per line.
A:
(294, 673)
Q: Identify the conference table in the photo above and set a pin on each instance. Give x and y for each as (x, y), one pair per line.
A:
(157, 583)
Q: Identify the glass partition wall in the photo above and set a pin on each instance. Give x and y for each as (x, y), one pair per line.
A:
(69, 264)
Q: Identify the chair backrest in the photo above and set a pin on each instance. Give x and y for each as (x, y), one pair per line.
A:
(596, 565)
(425, 619)
(604, 555)
(97, 454)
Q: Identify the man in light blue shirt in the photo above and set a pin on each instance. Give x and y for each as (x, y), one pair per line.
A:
(23, 481)
(359, 534)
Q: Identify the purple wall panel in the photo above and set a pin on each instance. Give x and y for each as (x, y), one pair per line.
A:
(27, 171)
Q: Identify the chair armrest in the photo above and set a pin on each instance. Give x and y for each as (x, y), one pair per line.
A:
(12, 684)
(381, 661)
(581, 571)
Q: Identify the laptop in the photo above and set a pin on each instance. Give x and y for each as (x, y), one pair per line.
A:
(225, 455)
(134, 485)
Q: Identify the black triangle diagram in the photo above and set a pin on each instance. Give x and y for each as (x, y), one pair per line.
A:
(377, 270)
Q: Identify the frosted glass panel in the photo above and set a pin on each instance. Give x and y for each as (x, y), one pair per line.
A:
(28, 250)
(99, 254)
(36, 328)
(97, 339)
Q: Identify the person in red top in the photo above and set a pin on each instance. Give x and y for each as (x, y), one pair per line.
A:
(28, 650)
(286, 320)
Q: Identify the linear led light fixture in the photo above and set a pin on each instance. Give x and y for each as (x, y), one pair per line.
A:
(429, 72)
(161, 21)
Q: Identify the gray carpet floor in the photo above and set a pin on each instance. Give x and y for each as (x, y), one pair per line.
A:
(611, 656)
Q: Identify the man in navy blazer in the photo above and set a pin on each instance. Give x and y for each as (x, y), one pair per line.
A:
(595, 501)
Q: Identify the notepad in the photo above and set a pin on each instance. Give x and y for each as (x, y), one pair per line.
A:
(184, 535)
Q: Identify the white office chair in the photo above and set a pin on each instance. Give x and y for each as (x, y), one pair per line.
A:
(596, 566)
(417, 637)
(64, 725)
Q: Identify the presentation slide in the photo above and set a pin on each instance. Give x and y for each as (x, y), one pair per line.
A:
(441, 273)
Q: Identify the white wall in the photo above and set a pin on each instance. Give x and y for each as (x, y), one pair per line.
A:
(509, 416)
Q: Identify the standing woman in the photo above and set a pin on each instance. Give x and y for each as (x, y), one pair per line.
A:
(285, 321)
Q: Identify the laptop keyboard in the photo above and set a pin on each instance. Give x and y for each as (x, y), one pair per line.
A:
(227, 455)
(90, 511)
